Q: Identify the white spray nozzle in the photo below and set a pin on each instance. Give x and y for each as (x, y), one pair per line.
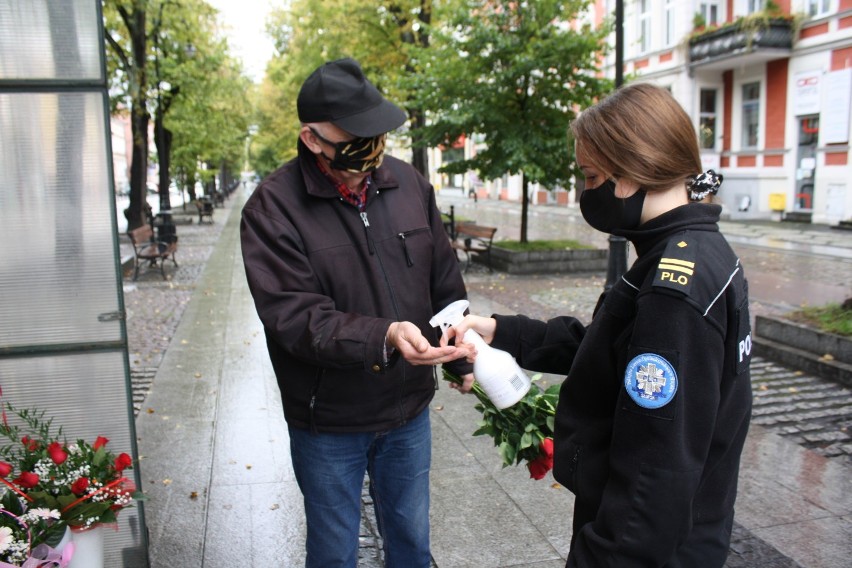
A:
(451, 315)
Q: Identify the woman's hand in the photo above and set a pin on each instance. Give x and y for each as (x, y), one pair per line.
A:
(485, 327)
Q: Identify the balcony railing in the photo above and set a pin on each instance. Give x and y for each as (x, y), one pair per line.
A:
(742, 42)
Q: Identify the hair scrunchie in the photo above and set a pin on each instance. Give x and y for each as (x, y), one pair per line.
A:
(702, 185)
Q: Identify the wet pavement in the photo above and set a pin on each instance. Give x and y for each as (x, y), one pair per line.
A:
(215, 452)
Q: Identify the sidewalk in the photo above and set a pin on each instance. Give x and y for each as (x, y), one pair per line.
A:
(221, 493)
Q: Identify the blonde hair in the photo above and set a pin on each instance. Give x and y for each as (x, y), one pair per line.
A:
(640, 132)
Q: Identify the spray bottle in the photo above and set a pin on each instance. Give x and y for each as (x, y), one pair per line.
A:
(496, 371)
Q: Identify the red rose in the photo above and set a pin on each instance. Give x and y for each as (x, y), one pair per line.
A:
(538, 468)
(547, 450)
(56, 453)
(544, 463)
(30, 444)
(27, 480)
(5, 469)
(122, 462)
(101, 441)
(79, 487)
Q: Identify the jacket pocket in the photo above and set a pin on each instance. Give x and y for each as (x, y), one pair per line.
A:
(403, 237)
(566, 466)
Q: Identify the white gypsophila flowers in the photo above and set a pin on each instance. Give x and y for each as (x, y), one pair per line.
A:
(12, 549)
(45, 469)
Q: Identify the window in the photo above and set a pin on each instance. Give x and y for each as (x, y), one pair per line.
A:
(707, 119)
(751, 115)
(644, 26)
(670, 22)
(753, 6)
(818, 7)
(710, 12)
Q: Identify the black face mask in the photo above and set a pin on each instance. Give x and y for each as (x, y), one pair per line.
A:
(357, 156)
(606, 212)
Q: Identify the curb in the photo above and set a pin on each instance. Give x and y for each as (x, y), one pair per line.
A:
(823, 354)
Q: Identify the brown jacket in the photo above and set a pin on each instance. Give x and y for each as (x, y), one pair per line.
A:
(327, 283)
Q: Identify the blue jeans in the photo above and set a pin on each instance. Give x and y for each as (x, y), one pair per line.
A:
(330, 471)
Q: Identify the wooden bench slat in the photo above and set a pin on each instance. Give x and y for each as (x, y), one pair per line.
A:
(471, 237)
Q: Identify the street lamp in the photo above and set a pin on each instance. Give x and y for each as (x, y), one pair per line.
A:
(617, 262)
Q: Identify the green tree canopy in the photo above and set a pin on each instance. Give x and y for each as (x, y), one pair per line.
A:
(169, 58)
(379, 34)
(513, 75)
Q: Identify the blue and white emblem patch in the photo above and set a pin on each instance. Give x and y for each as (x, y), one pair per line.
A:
(650, 380)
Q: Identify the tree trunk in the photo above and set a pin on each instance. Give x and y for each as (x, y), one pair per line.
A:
(138, 166)
(139, 120)
(420, 154)
(163, 142)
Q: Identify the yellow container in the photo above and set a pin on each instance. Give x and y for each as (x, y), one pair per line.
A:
(777, 201)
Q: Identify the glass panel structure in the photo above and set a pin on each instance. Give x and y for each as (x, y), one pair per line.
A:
(63, 338)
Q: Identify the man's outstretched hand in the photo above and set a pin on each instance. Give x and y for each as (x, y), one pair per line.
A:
(406, 338)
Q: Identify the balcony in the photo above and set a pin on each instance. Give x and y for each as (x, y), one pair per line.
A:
(744, 42)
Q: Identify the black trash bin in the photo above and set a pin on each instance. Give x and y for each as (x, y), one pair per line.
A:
(165, 226)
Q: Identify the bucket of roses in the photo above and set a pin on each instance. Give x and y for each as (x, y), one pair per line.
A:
(83, 481)
(523, 432)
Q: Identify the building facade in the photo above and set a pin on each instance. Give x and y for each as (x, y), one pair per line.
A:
(768, 85)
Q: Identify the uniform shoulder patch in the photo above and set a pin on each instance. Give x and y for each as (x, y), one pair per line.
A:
(650, 380)
(677, 266)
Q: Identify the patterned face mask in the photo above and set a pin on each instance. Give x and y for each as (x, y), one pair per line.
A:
(357, 156)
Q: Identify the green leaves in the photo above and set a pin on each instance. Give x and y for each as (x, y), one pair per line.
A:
(519, 430)
(510, 74)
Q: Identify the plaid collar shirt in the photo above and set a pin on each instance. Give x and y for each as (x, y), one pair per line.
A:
(359, 199)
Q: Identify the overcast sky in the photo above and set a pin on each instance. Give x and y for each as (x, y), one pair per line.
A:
(244, 21)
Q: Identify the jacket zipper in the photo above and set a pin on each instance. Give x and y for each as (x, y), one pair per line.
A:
(402, 237)
(370, 247)
(372, 250)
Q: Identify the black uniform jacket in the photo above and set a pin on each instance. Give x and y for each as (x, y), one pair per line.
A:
(654, 473)
(327, 282)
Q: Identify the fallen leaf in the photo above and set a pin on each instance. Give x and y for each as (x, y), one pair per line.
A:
(150, 411)
(167, 482)
(193, 495)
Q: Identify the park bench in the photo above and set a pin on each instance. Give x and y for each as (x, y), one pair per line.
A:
(205, 209)
(147, 249)
(471, 238)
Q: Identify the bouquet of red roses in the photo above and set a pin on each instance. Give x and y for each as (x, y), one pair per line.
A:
(83, 482)
(524, 431)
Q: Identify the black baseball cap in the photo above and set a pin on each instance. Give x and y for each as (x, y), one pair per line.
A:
(338, 92)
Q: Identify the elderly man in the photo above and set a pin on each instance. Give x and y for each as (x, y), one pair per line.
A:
(347, 260)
